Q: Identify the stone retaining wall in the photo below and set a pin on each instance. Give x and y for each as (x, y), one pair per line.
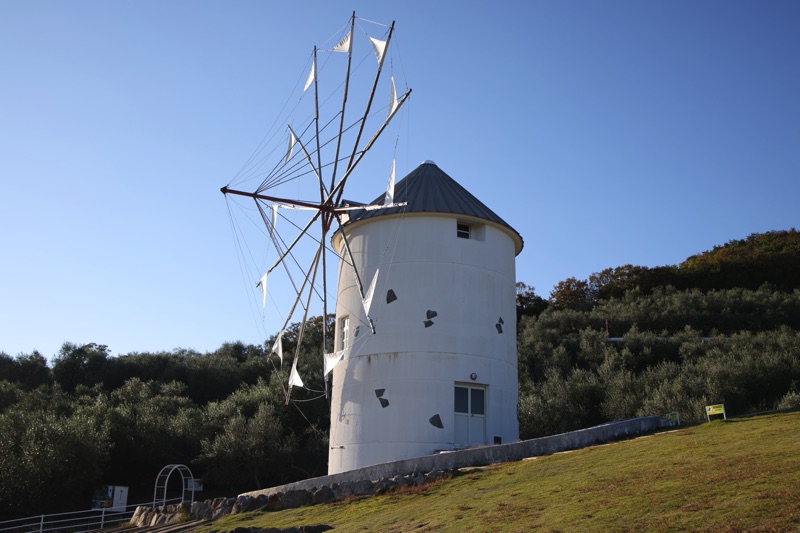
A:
(145, 516)
(384, 477)
(367, 480)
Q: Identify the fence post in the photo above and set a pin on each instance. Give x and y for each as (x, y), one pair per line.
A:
(102, 517)
(41, 524)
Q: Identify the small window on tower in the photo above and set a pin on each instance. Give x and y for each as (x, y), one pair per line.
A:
(462, 231)
(344, 332)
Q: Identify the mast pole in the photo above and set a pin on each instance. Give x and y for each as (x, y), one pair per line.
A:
(277, 244)
(369, 106)
(305, 317)
(355, 270)
(344, 98)
(327, 223)
(298, 297)
(289, 201)
(325, 207)
(324, 222)
(316, 125)
(317, 172)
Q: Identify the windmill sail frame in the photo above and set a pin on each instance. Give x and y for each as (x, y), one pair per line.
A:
(327, 212)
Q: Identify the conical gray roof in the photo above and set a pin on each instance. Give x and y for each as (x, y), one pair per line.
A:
(428, 189)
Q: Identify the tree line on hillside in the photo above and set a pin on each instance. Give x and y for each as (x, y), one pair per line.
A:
(721, 327)
(92, 419)
(627, 347)
(772, 257)
(668, 351)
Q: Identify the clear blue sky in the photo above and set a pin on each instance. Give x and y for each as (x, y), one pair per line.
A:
(606, 133)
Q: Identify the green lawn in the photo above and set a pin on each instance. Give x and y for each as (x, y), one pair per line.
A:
(743, 474)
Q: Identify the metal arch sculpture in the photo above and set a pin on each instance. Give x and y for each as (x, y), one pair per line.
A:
(187, 481)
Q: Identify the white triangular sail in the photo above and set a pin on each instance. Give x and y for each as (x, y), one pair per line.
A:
(343, 45)
(331, 360)
(277, 347)
(369, 207)
(389, 198)
(292, 140)
(294, 377)
(310, 79)
(274, 209)
(367, 301)
(263, 284)
(393, 103)
(379, 47)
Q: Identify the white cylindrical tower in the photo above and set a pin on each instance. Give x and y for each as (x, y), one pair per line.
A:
(440, 370)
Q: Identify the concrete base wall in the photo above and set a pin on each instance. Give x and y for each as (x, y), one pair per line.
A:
(483, 455)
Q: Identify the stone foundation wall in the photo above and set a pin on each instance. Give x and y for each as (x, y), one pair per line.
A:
(367, 480)
(384, 477)
(291, 498)
(145, 516)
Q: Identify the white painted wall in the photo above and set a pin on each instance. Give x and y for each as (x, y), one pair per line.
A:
(470, 284)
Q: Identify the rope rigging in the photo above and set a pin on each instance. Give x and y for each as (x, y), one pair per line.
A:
(328, 151)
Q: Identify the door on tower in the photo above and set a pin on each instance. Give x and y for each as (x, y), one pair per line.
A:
(470, 415)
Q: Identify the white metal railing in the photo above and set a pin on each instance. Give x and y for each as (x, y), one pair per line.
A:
(77, 521)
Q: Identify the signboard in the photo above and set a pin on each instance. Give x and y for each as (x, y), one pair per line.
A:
(718, 409)
(114, 497)
(671, 419)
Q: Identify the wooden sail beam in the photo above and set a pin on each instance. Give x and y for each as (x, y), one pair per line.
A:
(313, 276)
(324, 297)
(371, 95)
(324, 224)
(353, 265)
(350, 164)
(326, 207)
(277, 242)
(316, 137)
(323, 207)
(340, 186)
(344, 99)
(317, 169)
(299, 297)
(329, 204)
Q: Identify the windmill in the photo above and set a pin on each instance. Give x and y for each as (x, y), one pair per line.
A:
(439, 372)
(423, 357)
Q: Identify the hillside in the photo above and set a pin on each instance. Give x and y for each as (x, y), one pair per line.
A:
(631, 345)
(743, 474)
(770, 259)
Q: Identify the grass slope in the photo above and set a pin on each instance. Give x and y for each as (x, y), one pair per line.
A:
(741, 474)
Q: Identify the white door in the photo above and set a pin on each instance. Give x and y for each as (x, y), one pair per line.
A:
(470, 415)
